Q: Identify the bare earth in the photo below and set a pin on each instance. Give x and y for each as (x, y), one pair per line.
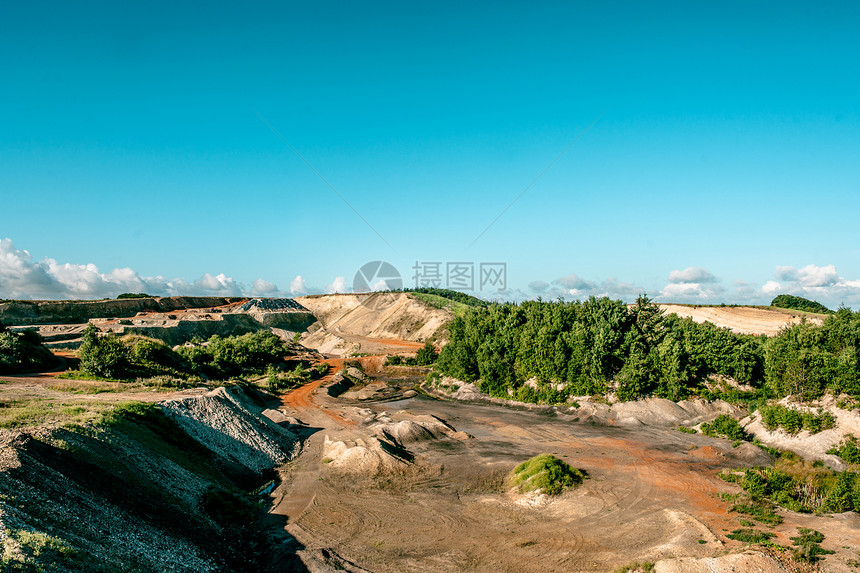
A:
(652, 495)
(742, 319)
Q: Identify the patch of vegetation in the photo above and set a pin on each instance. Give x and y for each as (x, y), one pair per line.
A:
(747, 535)
(452, 295)
(39, 411)
(792, 421)
(807, 546)
(758, 508)
(687, 430)
(23, 352)
(134, 295)
(643, 567)
(848, 450)
(799, 485)
(302, 374)
(725, 426)
(222, 358)
(110, 358)
(546, 473)
(426, 355)
(799, 303)
(38, 552)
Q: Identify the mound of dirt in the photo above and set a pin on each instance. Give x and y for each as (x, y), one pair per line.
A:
(349, 323)
(748, 562)
(662, 412)
(367, 456)
(743, 319)
(403, 428)
(230, 424)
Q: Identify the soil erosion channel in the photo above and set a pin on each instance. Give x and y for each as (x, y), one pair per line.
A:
(651, 492)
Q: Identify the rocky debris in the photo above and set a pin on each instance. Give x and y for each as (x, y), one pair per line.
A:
(338, 385)
(230, 424)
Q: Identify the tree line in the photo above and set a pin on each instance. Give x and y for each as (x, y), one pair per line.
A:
(601, 345)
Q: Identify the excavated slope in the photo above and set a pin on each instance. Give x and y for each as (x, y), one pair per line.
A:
(348, 322)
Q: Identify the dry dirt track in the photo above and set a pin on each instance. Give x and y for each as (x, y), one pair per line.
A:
(651, 495)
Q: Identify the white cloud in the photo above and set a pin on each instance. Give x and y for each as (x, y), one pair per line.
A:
(810, 275)
(297, 286)
(771, 287)
(690, 292)
(574, 282)
(337, 285)
(264, 288)
(692, 275)
(379, 285)
(539, 287)
(22, 277)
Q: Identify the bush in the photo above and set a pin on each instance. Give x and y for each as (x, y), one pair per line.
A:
(807, 545)
(23, 352)
(104, 356)
(792, 421)
(426, 355)
(547, 474)
(750, 535)
(848, 450)
(724, 425)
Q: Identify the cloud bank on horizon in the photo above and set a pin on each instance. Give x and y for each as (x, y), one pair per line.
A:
(21, 277)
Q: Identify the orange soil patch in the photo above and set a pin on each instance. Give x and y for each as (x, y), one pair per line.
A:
(676, 478)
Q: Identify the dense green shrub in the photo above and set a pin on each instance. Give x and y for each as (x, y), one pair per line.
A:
(792, 421)
(726, 426)
(848, 450)
(23, 352)
(426, 355)
(799, 303)
(130, 357)
(225, 357)
(547, 474)
(134, 295)
(807, 546)
(104, 356)
(750, 535)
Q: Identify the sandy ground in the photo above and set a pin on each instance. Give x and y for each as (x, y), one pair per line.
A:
(743, 320)
(652, 495)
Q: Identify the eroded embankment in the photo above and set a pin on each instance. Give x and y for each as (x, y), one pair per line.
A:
(150, 488)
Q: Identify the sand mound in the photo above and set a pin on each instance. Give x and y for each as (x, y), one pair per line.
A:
(662, 412)
(230, 424)
(743, 319)
(367, 455)
(415, 429)
(749, 562)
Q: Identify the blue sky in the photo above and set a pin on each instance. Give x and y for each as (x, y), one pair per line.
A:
(721, 143)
